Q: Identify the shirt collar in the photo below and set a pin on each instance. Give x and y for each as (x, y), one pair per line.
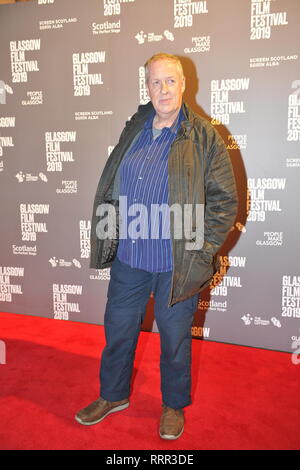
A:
(175, 126)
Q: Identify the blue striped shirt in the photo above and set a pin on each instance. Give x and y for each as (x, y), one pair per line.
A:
(145, 241)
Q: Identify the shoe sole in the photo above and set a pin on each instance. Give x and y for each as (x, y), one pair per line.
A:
(113, 410)
(171, 437)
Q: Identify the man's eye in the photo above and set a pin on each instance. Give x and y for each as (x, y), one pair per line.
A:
(155, 83)
(171, 81)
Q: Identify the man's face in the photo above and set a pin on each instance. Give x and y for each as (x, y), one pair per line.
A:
(165, 88)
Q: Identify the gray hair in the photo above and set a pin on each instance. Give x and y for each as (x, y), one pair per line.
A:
(163, 56)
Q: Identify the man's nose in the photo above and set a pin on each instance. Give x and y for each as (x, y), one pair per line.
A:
(164, 86)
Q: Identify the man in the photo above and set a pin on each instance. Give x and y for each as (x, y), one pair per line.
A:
(170, 156)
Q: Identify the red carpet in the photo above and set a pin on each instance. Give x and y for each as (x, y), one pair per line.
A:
(243, 398)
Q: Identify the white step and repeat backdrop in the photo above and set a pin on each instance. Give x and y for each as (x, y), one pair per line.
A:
(71, 73)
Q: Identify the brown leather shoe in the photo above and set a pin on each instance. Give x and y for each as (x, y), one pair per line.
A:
(98, 410)
(171, 423)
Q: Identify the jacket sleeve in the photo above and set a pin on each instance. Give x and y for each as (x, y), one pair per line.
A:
(220, 193)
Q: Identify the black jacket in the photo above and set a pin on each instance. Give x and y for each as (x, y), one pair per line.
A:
(199, 172)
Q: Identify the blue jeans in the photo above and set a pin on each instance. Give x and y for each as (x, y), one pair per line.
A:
(128, 293)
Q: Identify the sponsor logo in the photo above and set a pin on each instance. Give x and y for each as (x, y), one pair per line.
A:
(54, 156)
(20, 67)
(106, 28)
(91, 115)
(221, 281)
(237, 142)
(57, 23)
(102, 275)
(9, 121)
(259, 321)
(82, 79)
(24, 250)
(262, 20)
(257, 204)
(271, 239)
(33, 98)
(143, 91)
(6, 141)
(84, 236)
(184, 11)
(199, 44)
(7, 288)
(201, 332)
(292, 162)
(212, 305)
(68, 187)
(142, 37)
(29, 226)
(29, 178)
(274, 61)
(290, 296)
(113, 7)
(293, 121)
(221, 107)
(61, 263)
(62, 306)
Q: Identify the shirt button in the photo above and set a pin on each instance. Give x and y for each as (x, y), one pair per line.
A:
(140, 178)
(133, 241)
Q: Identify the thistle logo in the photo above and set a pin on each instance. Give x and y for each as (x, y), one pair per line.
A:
(141, 36)
(20, 176)
(53, 261)
(247, 319)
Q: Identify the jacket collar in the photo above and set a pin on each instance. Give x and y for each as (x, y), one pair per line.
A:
(146, 110)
